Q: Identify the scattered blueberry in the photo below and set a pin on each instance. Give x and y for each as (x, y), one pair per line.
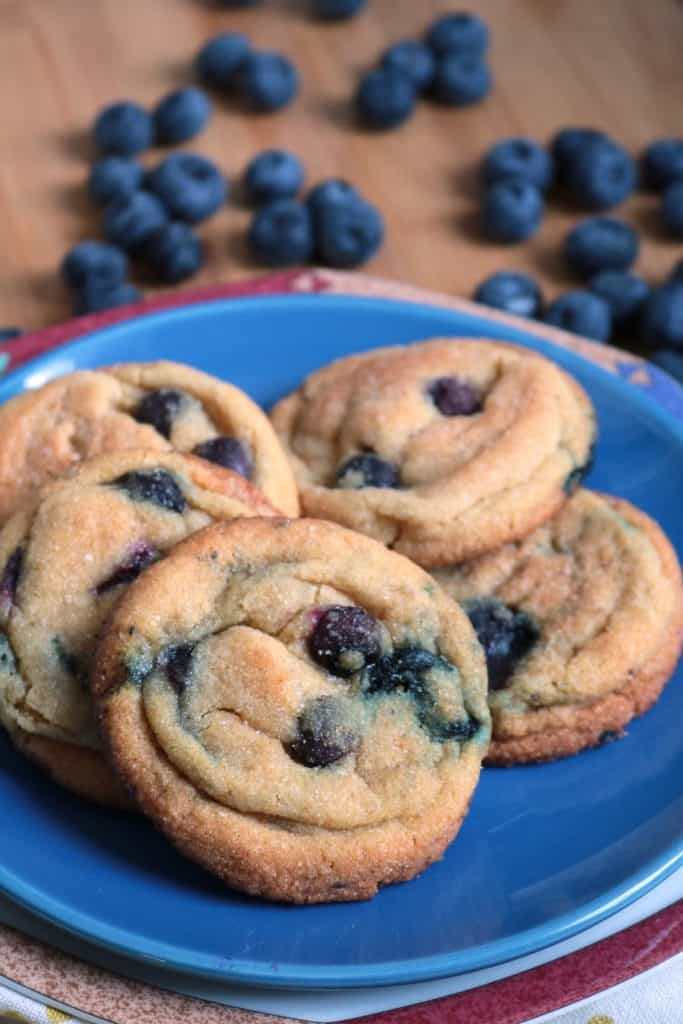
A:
(94, 298)
(112, 177)
(323, 734)
(671, 362)
(177, 662)
(512, 292)
(367, 470)
(227, 452)
(159, 408)
(124, 128)
(94, 264)
(413, 59)
(9, 333)
(8, 661)
(609, 736)
(10, 579)
(512, 211)
(461, 33)
(174, 252)
(566, 145)
(600, 243)
(220, 59)
(344, 640)
(189, 185)
(460, 80)
(331, 192)
(385, 98)
(581, 312)
(455, 397)
(601, 174)
(130, 220)
(403, 669)
(140, 556)
(154, 485)
(662, 163)
(181, 115)
(506, 635)
(138, 663)
(281, 234)
(661, 320)
(518, 158)
(575, 478)
(623, 293)
(268, 81)
(672, 209)
(273, 174)
(348, 234)
(67, 660)
(335, 10)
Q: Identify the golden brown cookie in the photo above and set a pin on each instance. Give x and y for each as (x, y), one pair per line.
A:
(441, 449)
(162, 406)
(300, 710)
(582, 624)
(64, 562)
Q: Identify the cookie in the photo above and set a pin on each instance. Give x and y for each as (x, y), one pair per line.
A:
(582, 624)
(300, 710)
(441, 449)
(162, 406)
(64, 562)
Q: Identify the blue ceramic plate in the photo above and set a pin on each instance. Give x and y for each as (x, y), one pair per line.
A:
(545, 851)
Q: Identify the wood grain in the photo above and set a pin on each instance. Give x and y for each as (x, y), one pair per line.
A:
(613, 64)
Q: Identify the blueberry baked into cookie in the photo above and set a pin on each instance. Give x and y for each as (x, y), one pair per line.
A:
(442, 449)
(582, 625)
(160, 405)
(64, 561)
(300, 710)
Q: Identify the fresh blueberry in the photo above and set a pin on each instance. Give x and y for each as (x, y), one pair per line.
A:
(602, 174)
(506, 636)
(94, 298)
(600, 243)
(336, 10)
(518, 158)
(367, 470)
(130, 220)
(344, 639)
(512, 292)
(512, 211)
(661, 320)
(568, 143)
(9, 333)
(460, 32)
(323, 734)
(273, 174)
(10, 579)
(94, 264)
(662, 163)
(281, 234)
(189, 185)
(181, 115)
(671, 362)
(348, 234)
(220, 59)
(581, 312)
(139, 557)
(268, 81)
(174, 252)
(331, 192)
(155, 485)
(227, 452)
(672, 209)
(454, 397)
(124, 128)
(385, 98)
(112, 177)
(623, 293)
(177, 662)
(159, 408)
(460, 80)
(413, 59)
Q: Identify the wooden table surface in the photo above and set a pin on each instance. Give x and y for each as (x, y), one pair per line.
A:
(613, 64)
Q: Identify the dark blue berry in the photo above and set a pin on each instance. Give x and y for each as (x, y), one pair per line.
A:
(94, 264)
(112, 177)
(268, 81)
(332, 192)
(336, 10)
(124, 128)
(159, 408)
(344, 639)
(220, 59)
(609, 736)
(281, 234)
(94, 298)
(348, 234)
(460, 80)
(139, 557)
(672, 209)
(662, 163)
(181, 115)
(9, 333)
(601, 175)
(130, 220)
(506, 636)
(623, 293)
(518, 158)
(367, 470)
(581, 312)
(568, 143)
(190, 186)
(455, 397)
(574, 479)
(460, 32)
(155, 485)
(8, 661)
(177, 662)
(227, 452)
(67, 660)
(273, 174)
(403, 669)
(385, 98)
(413, 59)
(138, 664)
(600, 243)
(512, 292)
(671, 362)
(10, 578)
(512, 211)
(661, 319)
(174, 252)
(323, 734)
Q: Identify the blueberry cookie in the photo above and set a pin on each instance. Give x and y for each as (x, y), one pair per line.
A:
(161, 405)
(582, 625)
(64, 562)
(442, 449)
(300, 710)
